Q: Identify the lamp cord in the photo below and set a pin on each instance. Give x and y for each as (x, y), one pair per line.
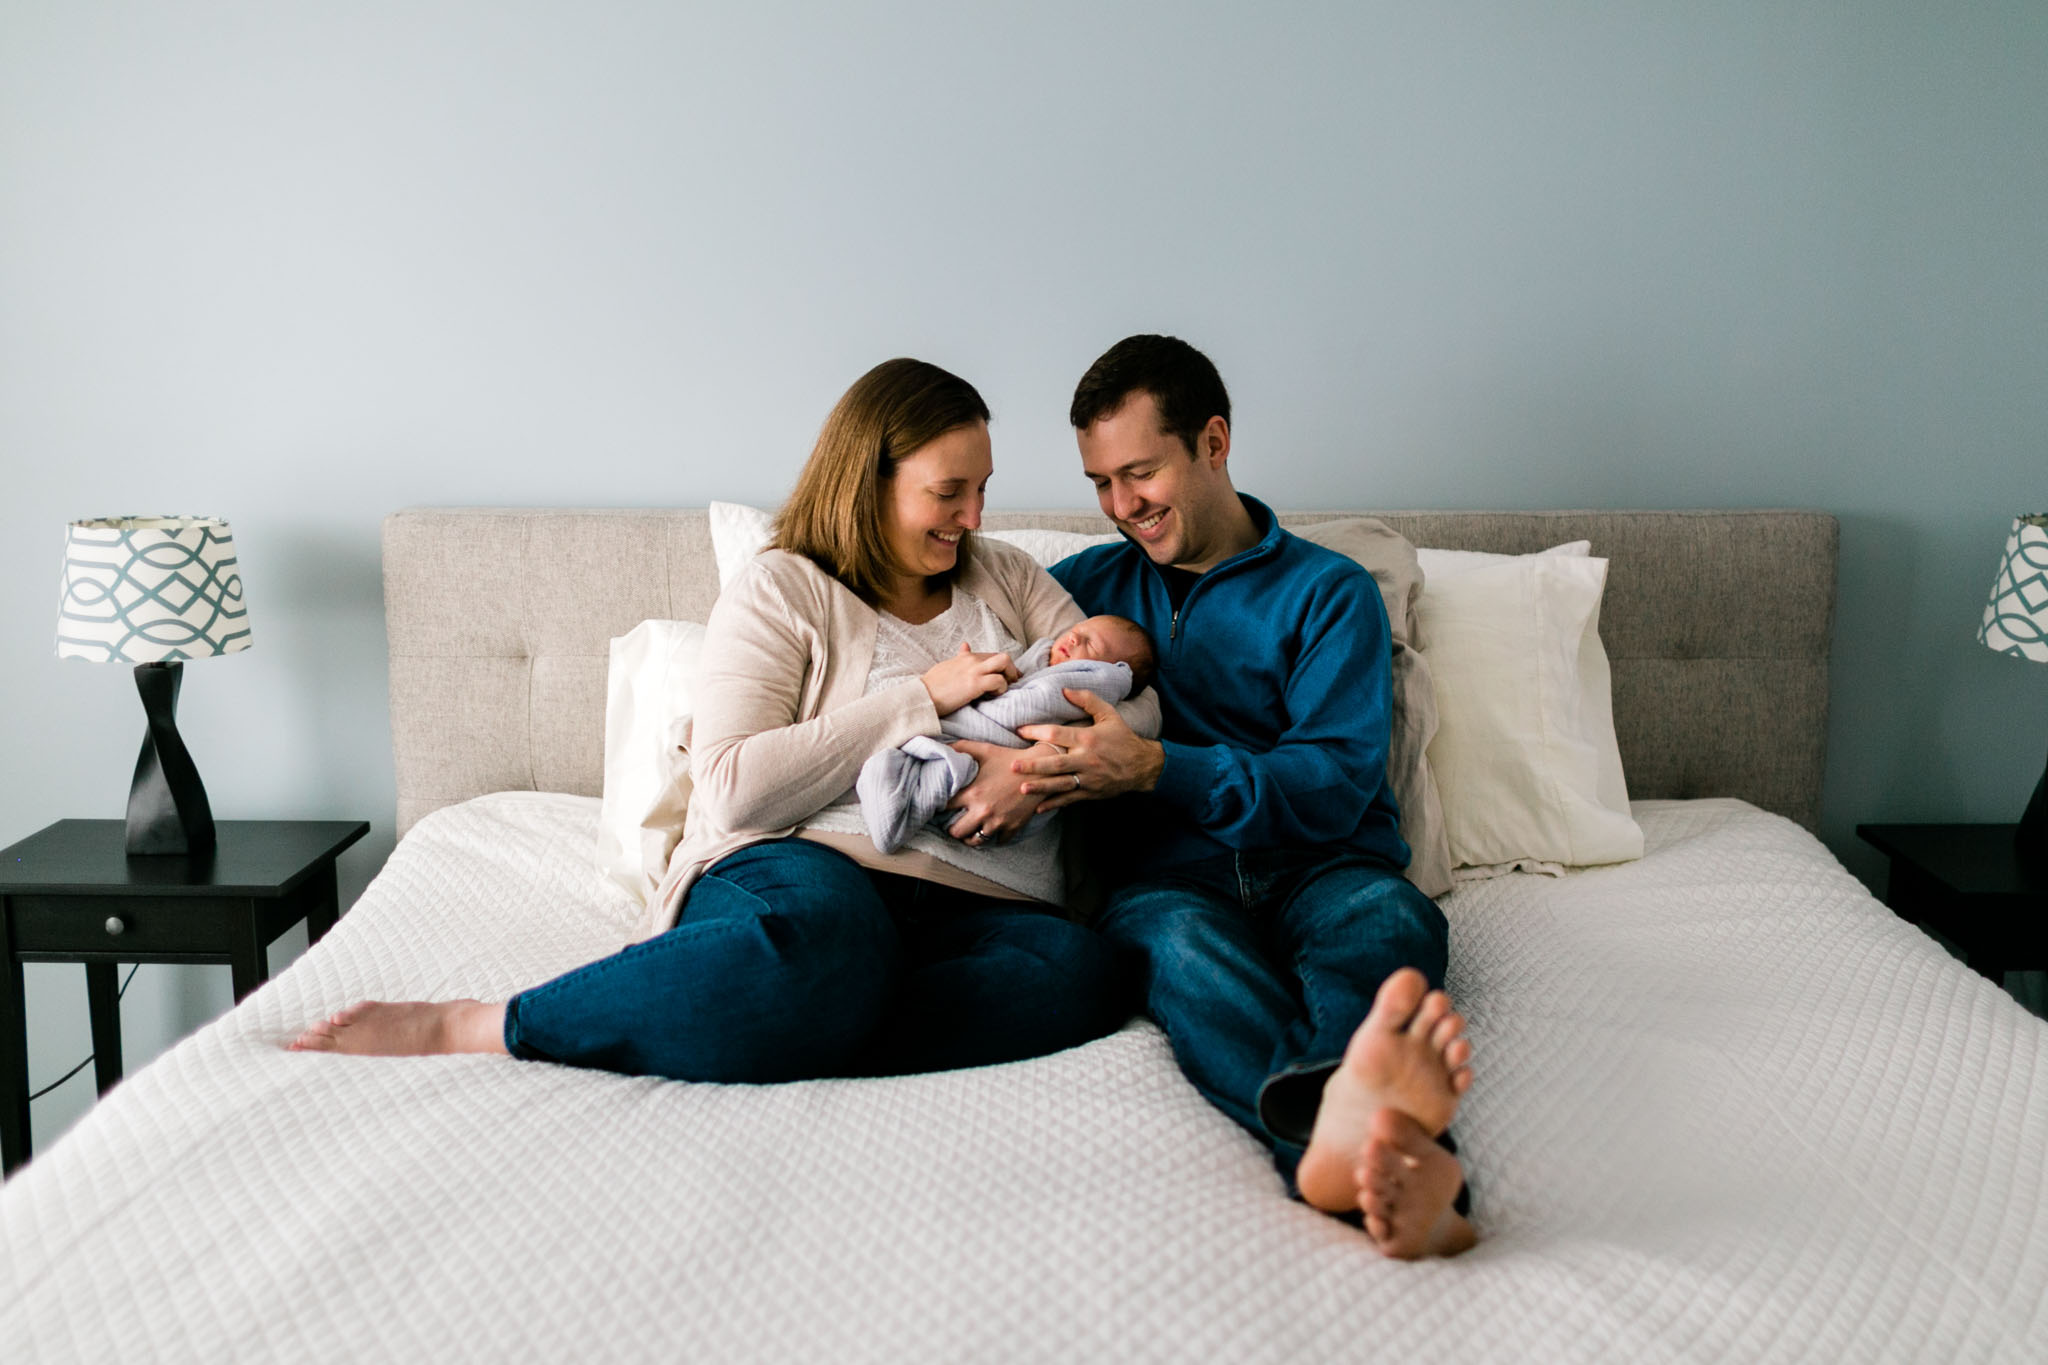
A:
(90, 1055)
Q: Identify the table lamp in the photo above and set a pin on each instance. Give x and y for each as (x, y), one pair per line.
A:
(154, 591)
(2016, 622)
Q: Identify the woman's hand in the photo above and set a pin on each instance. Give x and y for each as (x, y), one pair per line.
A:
(968, 677)
(993, 806)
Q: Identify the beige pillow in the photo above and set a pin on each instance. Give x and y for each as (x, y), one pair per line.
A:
(1525, 755)
(1392, 562)
(647, 709)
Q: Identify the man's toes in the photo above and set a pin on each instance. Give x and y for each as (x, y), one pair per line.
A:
(1434, 1008)
(1446, 1030)
(1397, 999)
(1406, 1187)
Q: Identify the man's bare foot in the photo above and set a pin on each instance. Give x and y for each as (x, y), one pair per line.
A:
(1407, 1184)
(1411, 1055)
(375, 1028)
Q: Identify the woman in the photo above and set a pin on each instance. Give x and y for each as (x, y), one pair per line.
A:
(786, 946)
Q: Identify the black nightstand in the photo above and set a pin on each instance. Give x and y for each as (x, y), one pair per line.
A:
(72, 894)
(1968, 884)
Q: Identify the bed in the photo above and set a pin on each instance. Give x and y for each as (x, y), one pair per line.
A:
(1728, 1107)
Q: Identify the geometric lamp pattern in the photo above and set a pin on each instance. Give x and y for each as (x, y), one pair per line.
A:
(2016, 618)
(151, 589)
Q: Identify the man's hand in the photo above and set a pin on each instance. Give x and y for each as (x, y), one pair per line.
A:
(995, 804)
(1101, 760)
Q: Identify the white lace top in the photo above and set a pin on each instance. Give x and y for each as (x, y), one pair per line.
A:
(1029, 866)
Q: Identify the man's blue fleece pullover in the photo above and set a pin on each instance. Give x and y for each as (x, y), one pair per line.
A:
(1277, 689)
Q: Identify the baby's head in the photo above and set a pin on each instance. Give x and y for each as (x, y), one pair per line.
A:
(1111, 639)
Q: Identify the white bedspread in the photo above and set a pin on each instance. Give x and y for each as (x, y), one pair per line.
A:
(1727, 1108)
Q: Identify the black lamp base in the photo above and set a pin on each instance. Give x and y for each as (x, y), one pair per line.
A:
(167, 808)
(2031, 838)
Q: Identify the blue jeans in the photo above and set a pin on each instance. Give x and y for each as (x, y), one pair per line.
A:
(1260, 966)
(793, 961)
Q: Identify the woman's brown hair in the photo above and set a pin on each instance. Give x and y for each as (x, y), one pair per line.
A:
(834, 515)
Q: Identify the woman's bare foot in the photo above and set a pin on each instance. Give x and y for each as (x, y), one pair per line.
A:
(1407, 1184)
(1410, 1055)
(376, 1028)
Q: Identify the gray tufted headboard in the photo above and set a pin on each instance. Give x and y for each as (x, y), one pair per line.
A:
(1716, 623)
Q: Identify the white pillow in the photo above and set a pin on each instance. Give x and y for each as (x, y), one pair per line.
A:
(1524, 754)
(1050, 547)
(647, 709)
(738, 533)
(1435, 562)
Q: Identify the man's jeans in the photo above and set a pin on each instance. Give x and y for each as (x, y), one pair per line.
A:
(792, 961)
(1260, 966)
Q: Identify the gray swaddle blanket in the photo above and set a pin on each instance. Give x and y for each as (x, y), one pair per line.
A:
(903, 788)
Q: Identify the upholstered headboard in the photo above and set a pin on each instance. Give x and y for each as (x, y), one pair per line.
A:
(1716, 624)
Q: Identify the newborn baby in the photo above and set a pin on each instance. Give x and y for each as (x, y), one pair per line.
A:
(903, 788)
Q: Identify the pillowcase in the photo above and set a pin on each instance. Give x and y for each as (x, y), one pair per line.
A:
(647, 708)
(1391, 560)
(1524, 754)
(1439, 562)
(1050, 547)
(739, 532)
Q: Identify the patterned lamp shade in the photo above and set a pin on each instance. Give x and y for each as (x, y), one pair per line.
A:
(2016, 622)
(151, 589)
(2016, 619)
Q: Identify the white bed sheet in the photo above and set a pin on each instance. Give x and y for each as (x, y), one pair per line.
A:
(1727, 1108)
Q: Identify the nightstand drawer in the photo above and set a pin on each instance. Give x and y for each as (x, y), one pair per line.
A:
(129, 924)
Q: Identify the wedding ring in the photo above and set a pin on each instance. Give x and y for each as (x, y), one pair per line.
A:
(1077, 781)
(981, 834)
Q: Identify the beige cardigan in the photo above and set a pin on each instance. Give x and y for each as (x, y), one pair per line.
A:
(783, 719)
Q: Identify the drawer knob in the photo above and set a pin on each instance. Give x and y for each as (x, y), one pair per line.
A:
(116, 925)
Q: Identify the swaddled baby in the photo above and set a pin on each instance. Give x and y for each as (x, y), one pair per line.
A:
(903, 788)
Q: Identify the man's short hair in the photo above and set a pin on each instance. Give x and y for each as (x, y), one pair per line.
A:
(1182, 381)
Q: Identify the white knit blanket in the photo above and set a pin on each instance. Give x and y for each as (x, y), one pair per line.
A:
(1727, 1108)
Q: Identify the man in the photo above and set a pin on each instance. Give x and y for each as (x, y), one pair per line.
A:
(1295, 971)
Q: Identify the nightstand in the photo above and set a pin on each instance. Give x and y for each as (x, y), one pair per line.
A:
(70, 893)
(1968, 884)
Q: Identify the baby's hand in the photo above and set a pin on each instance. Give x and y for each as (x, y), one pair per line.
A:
(968, 677)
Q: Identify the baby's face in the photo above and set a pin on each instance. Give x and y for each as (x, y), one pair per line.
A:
(1098, 637)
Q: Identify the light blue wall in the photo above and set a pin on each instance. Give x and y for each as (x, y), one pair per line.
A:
(301, 264)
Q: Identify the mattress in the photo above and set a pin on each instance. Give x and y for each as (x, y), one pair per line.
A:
(1727, 1107)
